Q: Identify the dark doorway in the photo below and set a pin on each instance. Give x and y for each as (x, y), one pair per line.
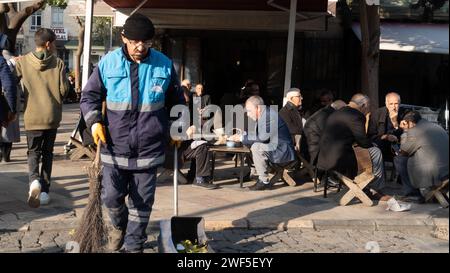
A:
(229, 61)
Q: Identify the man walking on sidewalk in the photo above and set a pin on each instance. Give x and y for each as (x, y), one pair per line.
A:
(45, 86)
(139, 85)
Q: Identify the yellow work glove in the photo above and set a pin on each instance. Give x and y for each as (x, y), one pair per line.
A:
(98, 132)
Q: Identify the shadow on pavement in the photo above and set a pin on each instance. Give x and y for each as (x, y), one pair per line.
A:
(15, 212)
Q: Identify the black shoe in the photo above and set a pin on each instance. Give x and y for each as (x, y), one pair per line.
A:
(7, 147)
(418, 199)
(247, 178)
(205, 184)
(260, 186)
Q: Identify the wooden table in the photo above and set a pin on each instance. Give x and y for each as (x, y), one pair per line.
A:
(240, 152)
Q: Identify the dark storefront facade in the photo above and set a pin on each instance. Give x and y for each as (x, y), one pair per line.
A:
(221, 44)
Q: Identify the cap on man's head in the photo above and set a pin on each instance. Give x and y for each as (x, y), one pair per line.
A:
(138, 27)
(293, 92)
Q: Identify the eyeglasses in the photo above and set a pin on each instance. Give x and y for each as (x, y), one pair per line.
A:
(136, 43)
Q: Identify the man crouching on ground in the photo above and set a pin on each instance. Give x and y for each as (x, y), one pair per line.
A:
(271, 142)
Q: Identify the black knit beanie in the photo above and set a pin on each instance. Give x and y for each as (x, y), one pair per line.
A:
(138, 27)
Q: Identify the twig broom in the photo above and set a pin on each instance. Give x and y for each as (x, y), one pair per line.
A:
(92, 233)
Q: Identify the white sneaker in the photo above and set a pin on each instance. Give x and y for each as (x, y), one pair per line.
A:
(33, 194)
(44, 198)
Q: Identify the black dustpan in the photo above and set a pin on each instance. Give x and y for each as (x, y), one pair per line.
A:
(179, 229)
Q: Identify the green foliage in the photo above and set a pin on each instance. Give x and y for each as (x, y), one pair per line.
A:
(57, 3)
(101, 30)
(188, 247)
(429, 4)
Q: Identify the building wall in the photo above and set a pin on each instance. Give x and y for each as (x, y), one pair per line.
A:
(74, 8)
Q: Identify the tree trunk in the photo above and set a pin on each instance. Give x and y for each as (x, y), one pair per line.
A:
(370, 36)
(78, 54)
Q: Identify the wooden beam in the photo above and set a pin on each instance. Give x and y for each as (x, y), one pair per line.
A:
(290, 48)
(370, 56)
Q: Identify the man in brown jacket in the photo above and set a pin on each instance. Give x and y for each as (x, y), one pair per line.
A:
(45, 86)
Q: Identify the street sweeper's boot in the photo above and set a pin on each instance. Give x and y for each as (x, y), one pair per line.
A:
(116, 239)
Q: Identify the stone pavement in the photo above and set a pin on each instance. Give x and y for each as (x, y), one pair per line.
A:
(284, 212)
(256, 241)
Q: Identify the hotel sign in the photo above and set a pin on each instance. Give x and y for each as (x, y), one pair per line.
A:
(61, 34)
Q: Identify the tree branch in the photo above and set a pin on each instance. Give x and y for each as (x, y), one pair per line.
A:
(19, 19)
(4, 8)
(80, 23)
(78, 54)
(12, 10)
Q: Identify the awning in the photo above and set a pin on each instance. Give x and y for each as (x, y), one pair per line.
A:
(238, 15)
(303, 5)
(412, 37)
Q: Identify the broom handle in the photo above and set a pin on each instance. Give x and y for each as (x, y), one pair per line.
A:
(175, 181)
(97, 154)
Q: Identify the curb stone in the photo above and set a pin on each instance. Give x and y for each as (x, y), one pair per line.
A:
(425, 225)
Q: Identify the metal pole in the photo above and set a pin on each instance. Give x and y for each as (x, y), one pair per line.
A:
(175, 181)
(290, 48)
(87, 41)
(86, 60)
(138, 7)
(446, 115)
(110, 35)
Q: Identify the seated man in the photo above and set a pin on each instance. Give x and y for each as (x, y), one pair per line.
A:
(384, 129)
(270, 142)
(197, 151)
(343, 129)
(423, 163)
(325, 98)
(291, 115)
(314, 127)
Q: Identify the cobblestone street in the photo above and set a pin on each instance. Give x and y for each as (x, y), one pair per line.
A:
(257, 241)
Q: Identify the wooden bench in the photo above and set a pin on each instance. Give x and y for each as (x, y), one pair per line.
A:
(356, 185)
(436, 193)
(80, 151)
(281, 172)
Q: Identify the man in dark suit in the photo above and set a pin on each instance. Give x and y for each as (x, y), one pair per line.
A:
(384, 129)
(291, 115)
(270, 141)
(343, 129)
(315, 126)
(290, 112)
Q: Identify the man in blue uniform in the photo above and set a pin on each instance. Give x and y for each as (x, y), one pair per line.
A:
(139, 85)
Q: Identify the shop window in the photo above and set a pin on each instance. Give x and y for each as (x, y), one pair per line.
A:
(57, 17)
(36, 21)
